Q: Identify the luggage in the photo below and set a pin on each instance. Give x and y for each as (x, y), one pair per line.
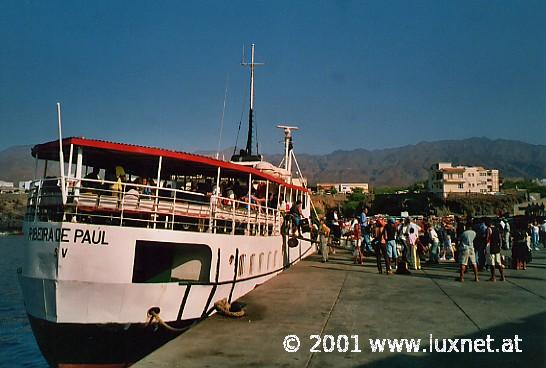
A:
(305, 228)
(293, 242)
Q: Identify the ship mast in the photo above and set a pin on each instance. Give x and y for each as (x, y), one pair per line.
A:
(246, 155)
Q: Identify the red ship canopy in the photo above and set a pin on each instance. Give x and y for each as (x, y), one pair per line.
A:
(140, 159)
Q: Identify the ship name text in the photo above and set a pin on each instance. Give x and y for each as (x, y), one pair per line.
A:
(65, 235)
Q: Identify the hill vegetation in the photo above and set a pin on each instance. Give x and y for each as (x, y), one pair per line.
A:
(12, 210)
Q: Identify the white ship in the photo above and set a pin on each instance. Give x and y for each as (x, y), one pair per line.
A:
(104, 252)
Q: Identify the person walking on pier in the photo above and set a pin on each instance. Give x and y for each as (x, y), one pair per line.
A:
(380, 247)
(493, 252)
(324, 236)
(466, 253)
(506, 231)
(543, 232)
(535, 236)
(357, 252)
(435, 244)
(480, 243)
(445, 236)
(413, 235)
(363, 219)
(402, 237)
(390, 235)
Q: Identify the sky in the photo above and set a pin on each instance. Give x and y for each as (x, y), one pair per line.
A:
(349, 74)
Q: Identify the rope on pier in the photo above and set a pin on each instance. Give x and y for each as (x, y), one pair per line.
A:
(224, 308)
(153, 315)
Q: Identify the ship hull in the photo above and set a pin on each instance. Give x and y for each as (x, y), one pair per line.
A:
(100, 345)
(88, 304)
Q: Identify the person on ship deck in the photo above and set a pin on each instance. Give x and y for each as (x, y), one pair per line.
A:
(296, 213)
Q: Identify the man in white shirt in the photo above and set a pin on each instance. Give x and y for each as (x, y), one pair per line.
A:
(535, 236)
(543, 233)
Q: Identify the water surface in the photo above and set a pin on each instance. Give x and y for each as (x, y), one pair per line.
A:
(18, 347)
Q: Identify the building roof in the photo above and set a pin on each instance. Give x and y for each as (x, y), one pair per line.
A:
(453, 169)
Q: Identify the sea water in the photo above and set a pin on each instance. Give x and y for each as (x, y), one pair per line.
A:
(18, 347)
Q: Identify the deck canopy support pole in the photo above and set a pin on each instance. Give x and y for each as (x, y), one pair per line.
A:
(233, 224)
(79, 166)
(61, 155)
(158, 181)
(70, 165)
(291, 198)
(278, 220)
(35, 166)
(249, 199)
(266, 207)
(214, 201)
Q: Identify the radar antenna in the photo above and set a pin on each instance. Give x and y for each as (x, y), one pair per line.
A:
(288, 146)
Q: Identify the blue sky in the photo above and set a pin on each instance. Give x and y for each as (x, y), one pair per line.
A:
(350, 74)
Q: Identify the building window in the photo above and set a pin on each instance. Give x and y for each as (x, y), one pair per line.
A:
(461, 185)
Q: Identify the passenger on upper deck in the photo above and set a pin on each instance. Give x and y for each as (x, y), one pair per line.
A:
(146, 190)
(166, 192)
(258, 194)
(117, 187)
(239, 190)
(228, 194)
(92, 180)
(205, 188)
(272, 201)
(133, 192)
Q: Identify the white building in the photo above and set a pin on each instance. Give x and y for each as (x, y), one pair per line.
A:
(25, 185)
(6, 184)
(342, 187)
(445, 179)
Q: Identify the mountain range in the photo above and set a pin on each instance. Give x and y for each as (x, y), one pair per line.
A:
(406, 165)
(384, 167)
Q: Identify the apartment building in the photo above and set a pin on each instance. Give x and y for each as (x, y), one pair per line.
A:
(445, 179)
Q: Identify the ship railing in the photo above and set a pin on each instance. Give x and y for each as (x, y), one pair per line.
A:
(45, 200)
(137, 205)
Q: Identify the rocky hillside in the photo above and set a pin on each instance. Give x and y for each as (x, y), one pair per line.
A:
(16, 164)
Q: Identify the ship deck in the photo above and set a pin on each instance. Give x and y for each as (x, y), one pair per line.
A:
(341, 298)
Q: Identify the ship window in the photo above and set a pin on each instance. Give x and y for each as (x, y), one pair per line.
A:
(171, 262)
(241, 264)
(260, 262)
(251, 267)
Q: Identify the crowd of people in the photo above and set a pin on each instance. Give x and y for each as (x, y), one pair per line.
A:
(400, 245)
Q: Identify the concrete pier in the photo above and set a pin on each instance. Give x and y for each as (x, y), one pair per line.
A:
(340, 298)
